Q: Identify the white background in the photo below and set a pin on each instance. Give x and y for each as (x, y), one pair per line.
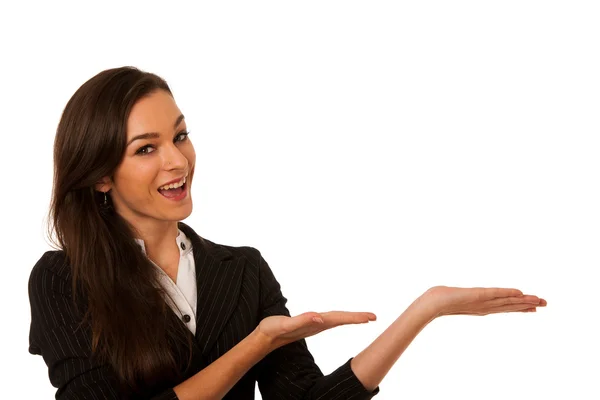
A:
(369, 150)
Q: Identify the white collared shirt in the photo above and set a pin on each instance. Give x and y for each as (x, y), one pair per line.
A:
(181, 295)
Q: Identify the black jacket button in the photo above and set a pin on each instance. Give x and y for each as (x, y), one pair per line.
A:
(186, 318)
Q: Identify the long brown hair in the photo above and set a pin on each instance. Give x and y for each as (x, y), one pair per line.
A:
(132, 328)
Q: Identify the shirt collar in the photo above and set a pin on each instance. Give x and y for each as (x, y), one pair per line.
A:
(183, 243)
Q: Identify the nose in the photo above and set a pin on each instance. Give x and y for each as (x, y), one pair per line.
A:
(173, 158)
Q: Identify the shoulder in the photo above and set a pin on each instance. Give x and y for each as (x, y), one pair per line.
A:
(260, 269)
(50, 272)
(50, 294)
(221, 251)
(251, 254)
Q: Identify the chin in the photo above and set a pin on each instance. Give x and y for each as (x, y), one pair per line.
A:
(183, 213)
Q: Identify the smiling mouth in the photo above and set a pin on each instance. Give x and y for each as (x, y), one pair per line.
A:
(175, 193)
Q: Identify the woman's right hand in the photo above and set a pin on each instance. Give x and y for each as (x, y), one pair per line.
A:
(279, 330)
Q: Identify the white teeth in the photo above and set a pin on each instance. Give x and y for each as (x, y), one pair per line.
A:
(173, 185)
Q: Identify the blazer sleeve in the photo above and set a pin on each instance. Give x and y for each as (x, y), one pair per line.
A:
(290, 371)
(64, 346)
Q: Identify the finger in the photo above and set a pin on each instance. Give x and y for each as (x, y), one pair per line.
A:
(527, 299)
(369, 315)
(506, 308)
(358, 317)
(495, 310)
(346, 317)
(543, 303)
(494, 293)
(302, 320)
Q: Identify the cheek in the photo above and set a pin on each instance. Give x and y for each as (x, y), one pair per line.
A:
(136, 180)
(190, 154)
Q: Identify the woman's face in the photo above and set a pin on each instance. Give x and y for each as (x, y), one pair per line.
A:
(158, 153)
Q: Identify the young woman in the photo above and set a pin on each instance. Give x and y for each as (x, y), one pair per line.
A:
(135, 304)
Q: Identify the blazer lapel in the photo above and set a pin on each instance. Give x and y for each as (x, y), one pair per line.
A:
(219, 276)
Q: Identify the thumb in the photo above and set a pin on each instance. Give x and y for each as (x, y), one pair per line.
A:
(303, 320)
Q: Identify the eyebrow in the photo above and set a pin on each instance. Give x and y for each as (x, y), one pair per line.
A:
(154, 135)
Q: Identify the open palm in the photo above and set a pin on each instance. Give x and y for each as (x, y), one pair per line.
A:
(481, 301)
(281, 329)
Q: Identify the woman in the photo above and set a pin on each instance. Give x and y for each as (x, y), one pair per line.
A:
(136, 304)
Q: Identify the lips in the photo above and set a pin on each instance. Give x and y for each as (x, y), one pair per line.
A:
(173, 181)
(175, 194)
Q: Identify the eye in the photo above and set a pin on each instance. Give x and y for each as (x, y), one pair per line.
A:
(144, 150)
(182, 136)
(147, 149)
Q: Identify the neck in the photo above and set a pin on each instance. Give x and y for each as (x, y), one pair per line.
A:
(157, 235)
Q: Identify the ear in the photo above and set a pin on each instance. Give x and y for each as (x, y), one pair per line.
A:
(104, 184)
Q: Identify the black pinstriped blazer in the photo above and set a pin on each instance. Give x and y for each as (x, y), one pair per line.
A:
(236, 290)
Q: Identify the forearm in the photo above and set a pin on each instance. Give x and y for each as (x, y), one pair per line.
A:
(214, 381)
(373, 363)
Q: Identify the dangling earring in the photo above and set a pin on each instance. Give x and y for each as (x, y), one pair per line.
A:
(105, 200)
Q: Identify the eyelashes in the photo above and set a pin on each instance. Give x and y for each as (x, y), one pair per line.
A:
(143, 151)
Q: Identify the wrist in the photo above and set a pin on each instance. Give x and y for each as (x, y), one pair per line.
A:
(264, 342)
(428, 305)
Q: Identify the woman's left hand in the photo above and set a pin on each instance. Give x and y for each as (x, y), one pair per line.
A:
(479, 301)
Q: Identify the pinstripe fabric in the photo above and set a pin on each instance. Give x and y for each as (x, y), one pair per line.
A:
(236, 290)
